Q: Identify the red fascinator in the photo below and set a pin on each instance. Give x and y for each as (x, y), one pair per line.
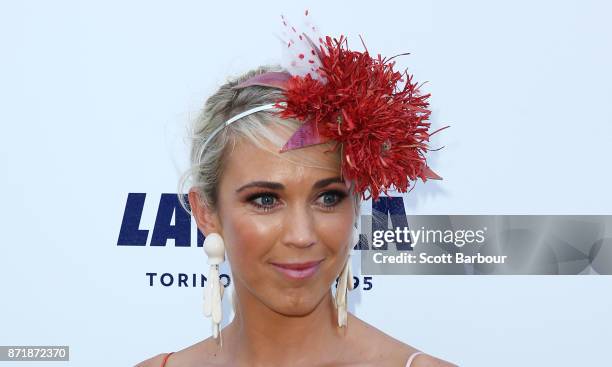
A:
(375, 115)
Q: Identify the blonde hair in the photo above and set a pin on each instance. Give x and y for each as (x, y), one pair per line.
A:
(205, 171)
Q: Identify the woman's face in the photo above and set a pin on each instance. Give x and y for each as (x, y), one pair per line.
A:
(272, 211)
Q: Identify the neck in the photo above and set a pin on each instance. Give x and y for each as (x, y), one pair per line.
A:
(260, 336)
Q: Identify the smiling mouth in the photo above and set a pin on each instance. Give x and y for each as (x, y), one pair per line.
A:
(298, 270)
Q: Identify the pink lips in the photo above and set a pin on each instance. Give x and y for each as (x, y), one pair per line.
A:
(298, 271)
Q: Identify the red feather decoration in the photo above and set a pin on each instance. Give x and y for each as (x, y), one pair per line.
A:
(381, 128)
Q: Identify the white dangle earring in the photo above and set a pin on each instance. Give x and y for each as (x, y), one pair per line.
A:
(345, 283)
(213, 289)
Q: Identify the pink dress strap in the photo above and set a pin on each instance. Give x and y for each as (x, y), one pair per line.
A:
(166, 359)
(412, 357)
(408, 363)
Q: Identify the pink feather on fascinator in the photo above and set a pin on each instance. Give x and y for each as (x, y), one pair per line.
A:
(375, 114)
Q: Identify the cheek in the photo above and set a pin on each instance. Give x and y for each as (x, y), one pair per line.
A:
(248, 239)
(335, 231)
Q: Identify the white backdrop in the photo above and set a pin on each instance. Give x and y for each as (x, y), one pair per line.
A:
(95, 97)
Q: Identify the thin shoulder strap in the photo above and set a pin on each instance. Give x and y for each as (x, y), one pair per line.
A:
(412, 357)
(166, 359)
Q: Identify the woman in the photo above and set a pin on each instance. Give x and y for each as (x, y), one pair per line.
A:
(278, 195)
(273, 209)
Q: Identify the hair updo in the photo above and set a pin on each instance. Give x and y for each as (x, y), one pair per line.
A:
(223, 105)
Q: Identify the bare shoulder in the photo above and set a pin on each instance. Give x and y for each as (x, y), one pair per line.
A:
(426, 360)
(383, 347)
(204, 353)
(155, 361)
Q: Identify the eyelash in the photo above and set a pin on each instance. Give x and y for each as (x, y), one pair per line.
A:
(339, 194)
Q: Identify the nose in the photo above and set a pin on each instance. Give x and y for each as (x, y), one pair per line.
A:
(299, 227)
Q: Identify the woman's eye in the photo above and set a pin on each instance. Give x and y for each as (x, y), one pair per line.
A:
(332, 198)
(264, 201)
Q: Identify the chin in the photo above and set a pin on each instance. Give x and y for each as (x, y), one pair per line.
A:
(297, 309)
(296, 302)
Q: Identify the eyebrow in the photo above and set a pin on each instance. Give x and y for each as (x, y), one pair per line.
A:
(279, 186)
